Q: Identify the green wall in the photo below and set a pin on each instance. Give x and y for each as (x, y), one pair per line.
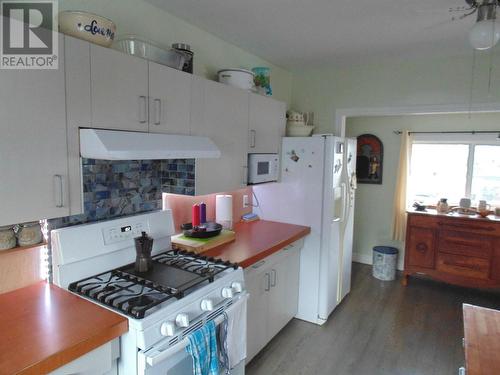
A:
(211, 53)
(374, 203)
(438, 81)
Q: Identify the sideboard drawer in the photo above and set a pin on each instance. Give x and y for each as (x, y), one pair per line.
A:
(463, 243)
(477, 226)
(424, 221)
(464, 266)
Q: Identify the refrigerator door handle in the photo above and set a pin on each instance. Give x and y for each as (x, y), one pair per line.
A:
(344, 201)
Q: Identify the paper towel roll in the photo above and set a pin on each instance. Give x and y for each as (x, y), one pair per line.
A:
(224, 210)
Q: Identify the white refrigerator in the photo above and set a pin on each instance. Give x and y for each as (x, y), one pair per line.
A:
(316, 189)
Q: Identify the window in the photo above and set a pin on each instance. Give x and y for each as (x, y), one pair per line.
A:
(454, 168)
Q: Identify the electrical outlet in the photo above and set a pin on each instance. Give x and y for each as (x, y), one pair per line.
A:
(245, 201)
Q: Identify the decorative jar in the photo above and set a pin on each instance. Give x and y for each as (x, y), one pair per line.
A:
(29, 234)
(7, 237)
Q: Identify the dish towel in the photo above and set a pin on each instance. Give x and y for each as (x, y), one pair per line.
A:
(232, 335)
(203, 350)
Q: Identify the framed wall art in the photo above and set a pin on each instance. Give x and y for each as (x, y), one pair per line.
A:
(370, 158)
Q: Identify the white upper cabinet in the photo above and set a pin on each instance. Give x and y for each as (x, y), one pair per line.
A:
(266, 124)
(119, 90)
(33, 153)
(169, 100)
(221, 113)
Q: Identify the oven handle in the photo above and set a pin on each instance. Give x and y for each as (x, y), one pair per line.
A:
(154, 360)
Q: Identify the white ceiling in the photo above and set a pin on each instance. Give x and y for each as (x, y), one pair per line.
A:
(300, 33)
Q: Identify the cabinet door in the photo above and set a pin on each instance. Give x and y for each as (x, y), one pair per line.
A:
(119, 90)
(283, 296)
(33, 152)
(221, 114)
(495, 267)
(292, 283)
(421, 247)
(266, 124)
(169, 100)
(257, 281)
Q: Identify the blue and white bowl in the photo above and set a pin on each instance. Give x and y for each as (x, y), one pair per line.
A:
(87, 26)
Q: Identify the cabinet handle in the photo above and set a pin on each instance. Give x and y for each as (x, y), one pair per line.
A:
(244, 180)
(275, 279)
(422, 247)
(259, 264)
(268, 282)
(143, 109)
(58, 191)
(253, 136)
(157, 109)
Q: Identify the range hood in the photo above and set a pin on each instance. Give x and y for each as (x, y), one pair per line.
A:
(124, 145)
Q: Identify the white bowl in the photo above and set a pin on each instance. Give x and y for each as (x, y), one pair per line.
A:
(294, 130)
(87, 26)
(240, 78)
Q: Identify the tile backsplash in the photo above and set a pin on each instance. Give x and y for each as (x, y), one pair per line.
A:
(116, 188)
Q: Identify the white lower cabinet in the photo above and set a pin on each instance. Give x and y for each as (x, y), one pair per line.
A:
(100, 361)
(273, 284)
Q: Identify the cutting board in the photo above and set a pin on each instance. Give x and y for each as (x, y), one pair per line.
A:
(199, 245)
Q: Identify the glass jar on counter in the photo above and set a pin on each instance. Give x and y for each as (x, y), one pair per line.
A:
(29, 234)
(7, 237)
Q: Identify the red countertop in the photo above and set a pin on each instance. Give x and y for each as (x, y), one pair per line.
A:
(43, 327)
(257, 240)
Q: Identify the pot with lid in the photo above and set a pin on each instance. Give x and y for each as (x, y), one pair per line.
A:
(240, 78)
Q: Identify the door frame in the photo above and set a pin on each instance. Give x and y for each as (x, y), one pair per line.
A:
(342, 114)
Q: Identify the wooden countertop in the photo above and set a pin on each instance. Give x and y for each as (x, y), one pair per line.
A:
(482, 340)
(257, 240)
(43, 327)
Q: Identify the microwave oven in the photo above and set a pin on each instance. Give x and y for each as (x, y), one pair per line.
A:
(262, 168)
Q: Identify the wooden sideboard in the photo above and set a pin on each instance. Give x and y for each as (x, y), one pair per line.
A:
(456, 249)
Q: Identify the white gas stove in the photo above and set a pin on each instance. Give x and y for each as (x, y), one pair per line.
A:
(179, 295)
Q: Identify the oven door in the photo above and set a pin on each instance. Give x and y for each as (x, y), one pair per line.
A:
(180, 363)
(165, 359)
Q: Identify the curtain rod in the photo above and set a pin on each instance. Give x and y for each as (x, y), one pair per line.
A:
(453, 132)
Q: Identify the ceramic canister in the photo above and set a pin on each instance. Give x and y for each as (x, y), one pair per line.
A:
(29, 234)
(7, 237)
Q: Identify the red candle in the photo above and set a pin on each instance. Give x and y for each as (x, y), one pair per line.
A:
(196, 215)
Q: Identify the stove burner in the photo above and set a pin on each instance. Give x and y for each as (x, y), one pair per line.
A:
(174, 273)
(206, 271)
(140, 301)
(109, 288)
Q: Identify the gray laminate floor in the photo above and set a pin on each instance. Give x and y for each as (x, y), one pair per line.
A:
(380, 328)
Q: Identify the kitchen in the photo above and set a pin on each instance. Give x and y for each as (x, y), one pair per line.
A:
(117, 131)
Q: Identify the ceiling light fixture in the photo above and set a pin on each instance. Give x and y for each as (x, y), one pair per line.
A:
(486, 32)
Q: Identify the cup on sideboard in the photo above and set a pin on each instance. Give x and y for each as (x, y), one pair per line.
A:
(465, 203)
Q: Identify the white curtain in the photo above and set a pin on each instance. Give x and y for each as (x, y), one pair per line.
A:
(400, 198)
